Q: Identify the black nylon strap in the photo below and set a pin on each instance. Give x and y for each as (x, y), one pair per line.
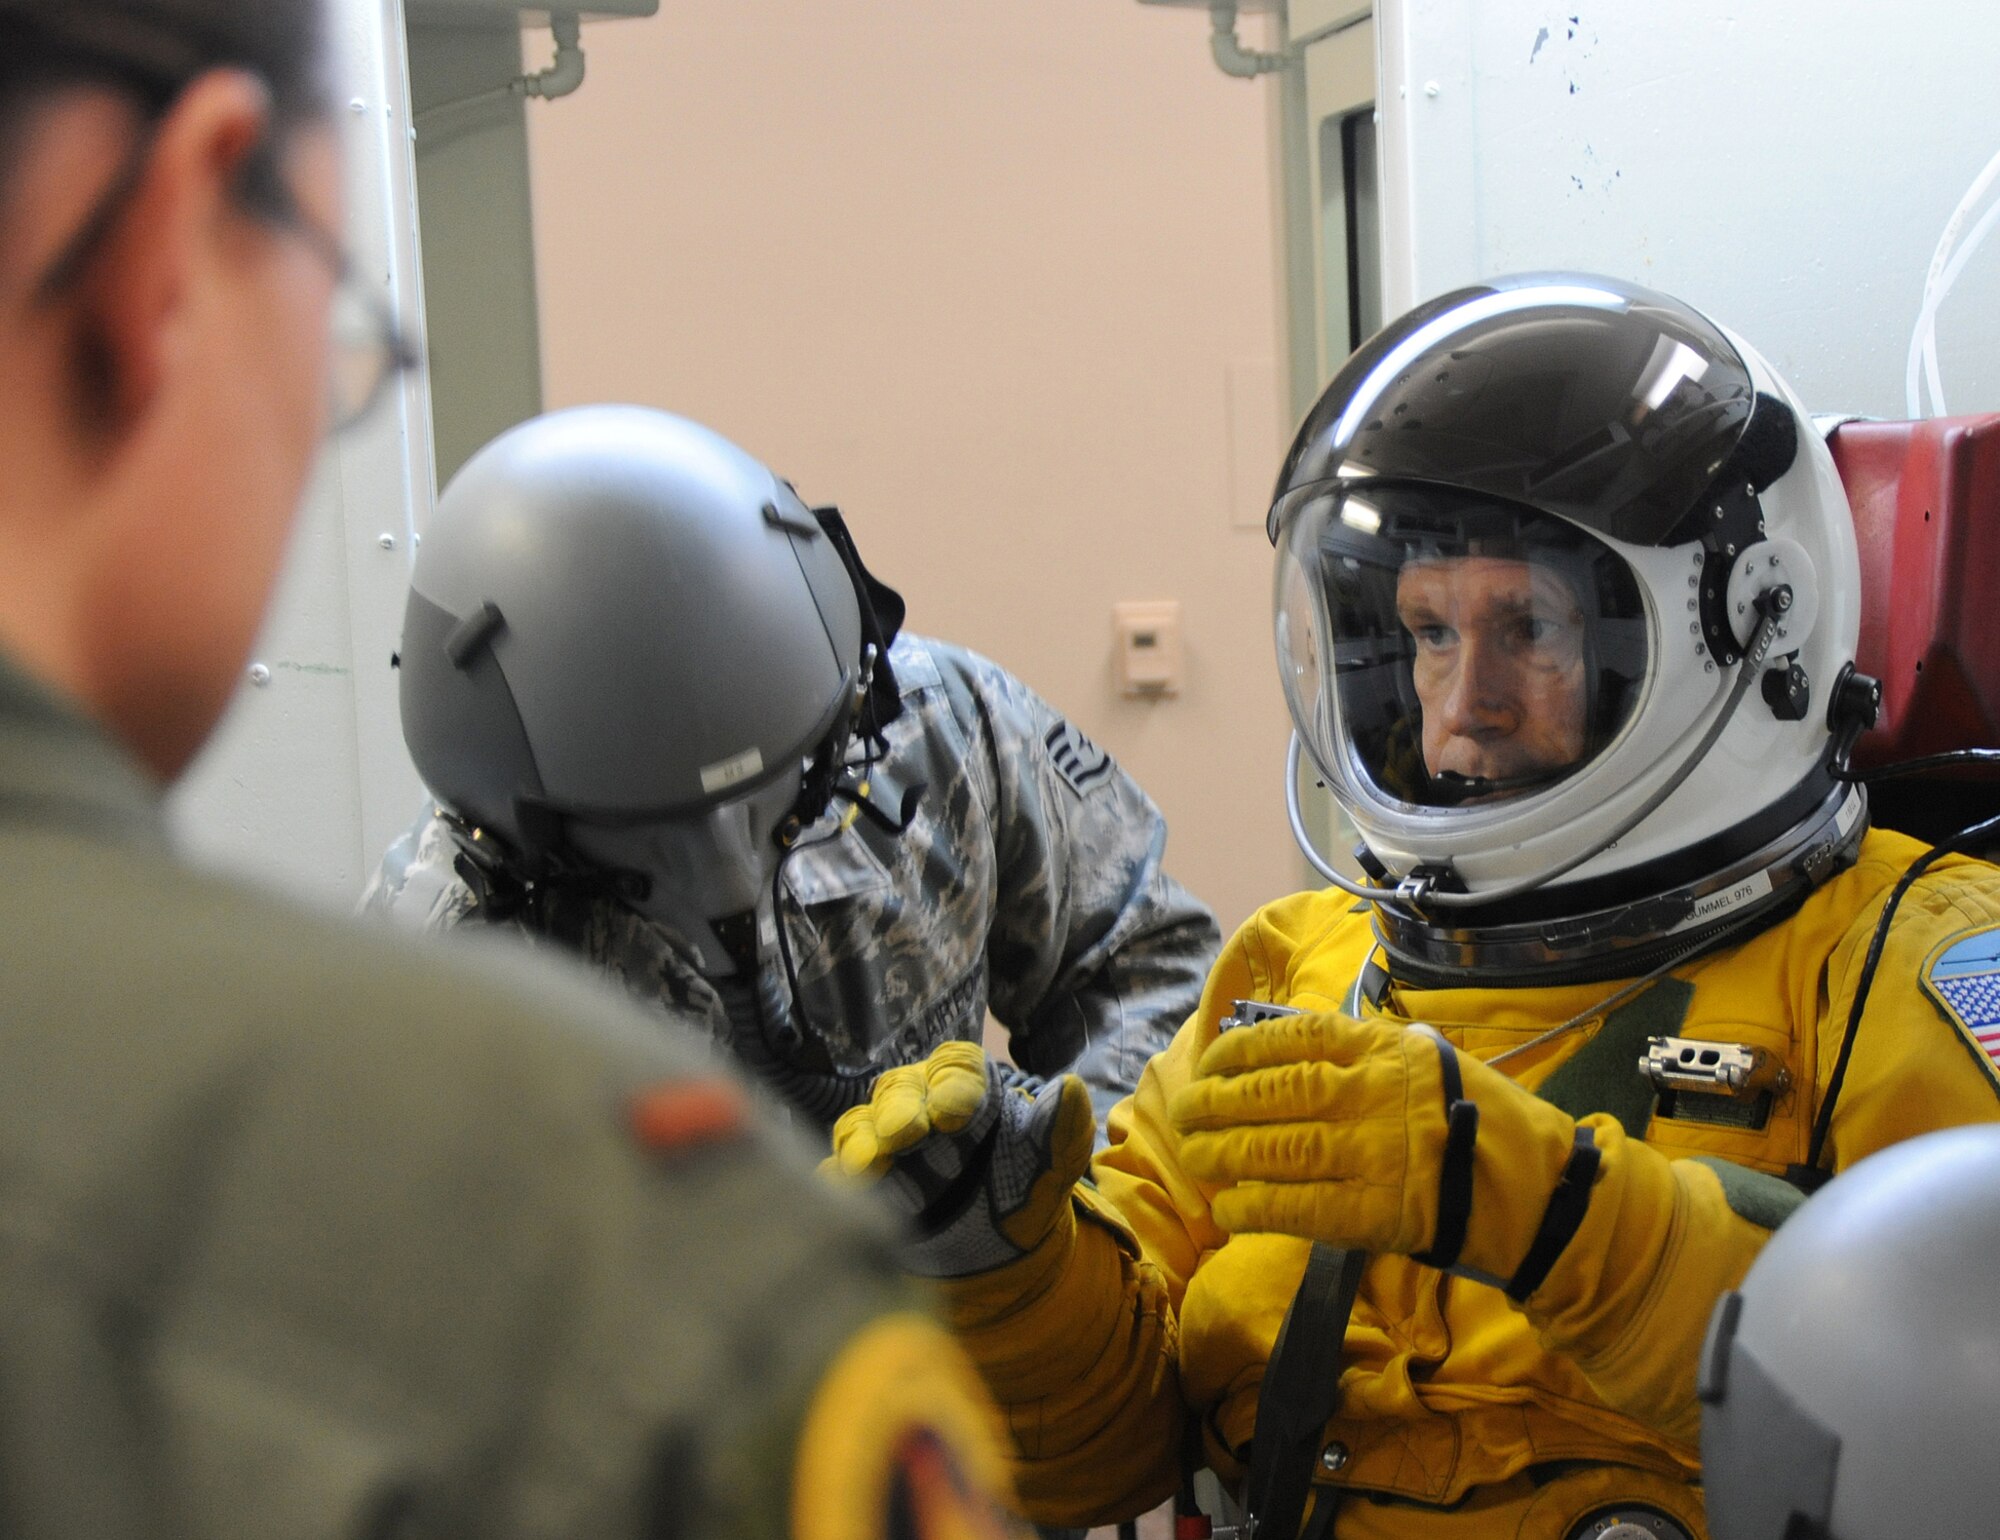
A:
(1823, 1122)
(1561, 1219)
(1454, 1082)
(1455, 1170)
(1301, 1390)
(1319, 1523)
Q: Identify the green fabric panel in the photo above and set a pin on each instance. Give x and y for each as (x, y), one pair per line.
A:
(1757, 1196)
(1604, 1076)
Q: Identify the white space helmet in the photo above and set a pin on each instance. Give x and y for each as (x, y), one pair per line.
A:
(1567, 600)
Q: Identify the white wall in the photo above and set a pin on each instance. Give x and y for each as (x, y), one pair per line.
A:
(984, 275)
(1786, 165)
(307, 780)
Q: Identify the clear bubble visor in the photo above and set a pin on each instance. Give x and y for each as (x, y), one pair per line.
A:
(1439, 650)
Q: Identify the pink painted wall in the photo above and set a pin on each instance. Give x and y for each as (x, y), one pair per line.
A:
(982, 274)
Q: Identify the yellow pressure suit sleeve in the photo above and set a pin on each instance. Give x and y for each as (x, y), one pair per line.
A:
(1078, 1341)
(1630, 1296)
(1912, 1067)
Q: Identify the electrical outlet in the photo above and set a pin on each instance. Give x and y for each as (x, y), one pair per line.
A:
(1148, 633)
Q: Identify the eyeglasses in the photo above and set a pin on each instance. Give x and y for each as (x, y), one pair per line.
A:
(369, 349)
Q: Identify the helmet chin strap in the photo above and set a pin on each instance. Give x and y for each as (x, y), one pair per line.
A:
(1415, 893)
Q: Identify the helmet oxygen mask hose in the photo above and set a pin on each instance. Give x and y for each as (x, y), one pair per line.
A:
(767, 1032)
(770, 1032)
(1418, 892)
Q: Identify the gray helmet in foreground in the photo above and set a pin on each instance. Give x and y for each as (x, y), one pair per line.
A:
(624, 631)
(1852, 1385)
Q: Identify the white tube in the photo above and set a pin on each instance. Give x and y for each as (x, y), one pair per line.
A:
(1922, 360)
(1300, 833)
(1944, 288)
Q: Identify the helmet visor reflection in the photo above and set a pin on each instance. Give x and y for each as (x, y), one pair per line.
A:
(1601, 402)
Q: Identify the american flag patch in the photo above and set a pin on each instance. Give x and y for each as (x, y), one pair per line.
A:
(1964, 979)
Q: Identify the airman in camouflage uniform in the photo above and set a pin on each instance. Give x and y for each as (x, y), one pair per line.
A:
(1029, 884)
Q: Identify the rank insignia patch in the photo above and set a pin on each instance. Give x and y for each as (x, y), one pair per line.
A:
(1077, 760)
(1964, 979)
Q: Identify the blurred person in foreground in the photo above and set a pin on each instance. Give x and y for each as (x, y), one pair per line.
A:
(1414, 1232)
(304, 1231)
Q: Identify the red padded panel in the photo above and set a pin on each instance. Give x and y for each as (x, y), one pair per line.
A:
(1926, 498)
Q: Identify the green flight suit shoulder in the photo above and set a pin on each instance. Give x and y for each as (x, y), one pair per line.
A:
(306, 1230)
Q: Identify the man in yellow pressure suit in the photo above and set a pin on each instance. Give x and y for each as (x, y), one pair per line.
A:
(1566, 607)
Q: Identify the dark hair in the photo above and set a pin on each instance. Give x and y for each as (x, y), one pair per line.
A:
(151, 49)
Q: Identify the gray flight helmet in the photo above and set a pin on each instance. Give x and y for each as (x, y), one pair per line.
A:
(1852, 1385)
(618, 617)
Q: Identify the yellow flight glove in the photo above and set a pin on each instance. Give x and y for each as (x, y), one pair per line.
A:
(978, 1157)
(1383, 1137)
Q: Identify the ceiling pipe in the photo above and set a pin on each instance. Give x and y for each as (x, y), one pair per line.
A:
(564, 75)
(1231, 57)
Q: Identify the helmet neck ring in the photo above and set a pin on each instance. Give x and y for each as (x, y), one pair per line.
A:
(1693, 900)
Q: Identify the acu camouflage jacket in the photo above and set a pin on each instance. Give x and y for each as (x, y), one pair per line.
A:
(1029, 884)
